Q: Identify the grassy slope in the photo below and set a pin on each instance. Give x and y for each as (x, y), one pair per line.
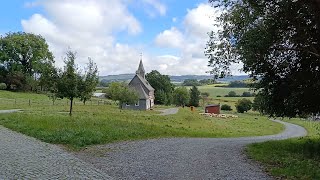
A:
(92, 124)
(297, 158)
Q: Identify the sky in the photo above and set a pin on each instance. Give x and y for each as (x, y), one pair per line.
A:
(170, 34)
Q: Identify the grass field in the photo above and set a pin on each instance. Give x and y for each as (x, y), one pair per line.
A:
(93, 124)
(297, 158)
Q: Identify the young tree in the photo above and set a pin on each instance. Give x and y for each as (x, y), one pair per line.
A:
(67, 86)
(204, 96)
(278, 43)
(88, 82)
(194, 96)
(122, 93)
(162, 85)
(181, 96)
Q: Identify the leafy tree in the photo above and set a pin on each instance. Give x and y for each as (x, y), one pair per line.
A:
(161, 83)
(89, 82)
(239, 84)
(278, 43)
(194, 96)
(122, 93)
(67, 86)
(232, 94)
(226, 107)
(191, 82)
(243, 105)
(207, 81)
(3, 86)
(247, 94)
(181, 96)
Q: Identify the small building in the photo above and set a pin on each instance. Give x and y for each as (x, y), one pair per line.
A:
(213, 108)
(143, 88)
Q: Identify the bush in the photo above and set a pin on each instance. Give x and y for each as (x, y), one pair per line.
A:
(226, 107)
(246, 94)
(231, 94)
(243, 105)
(3, 86)
(218, 96)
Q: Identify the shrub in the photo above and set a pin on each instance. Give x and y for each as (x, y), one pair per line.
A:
(246, 94)
(3, 86)
(218, 96)
(226, 107)
(243, 105)
(231, 94)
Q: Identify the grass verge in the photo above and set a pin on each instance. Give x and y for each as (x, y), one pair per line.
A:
(297, 158)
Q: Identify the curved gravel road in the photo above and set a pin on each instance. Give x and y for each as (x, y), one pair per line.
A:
(182, 158)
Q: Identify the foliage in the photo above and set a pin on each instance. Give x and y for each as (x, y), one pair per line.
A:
(243, 105)
(231, 94)
(207, 81)
(239, 84)
(226, 107)
(205, 97)
(296, 158)
(89, 82)
(181, 96)
(162, 85)
(69, 80)
(194, 96)
(278, 42)
(122, 93)
(191, 82)
(23, 56)
(3, 86)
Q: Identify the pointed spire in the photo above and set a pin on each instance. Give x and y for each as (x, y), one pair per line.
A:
(141, 70)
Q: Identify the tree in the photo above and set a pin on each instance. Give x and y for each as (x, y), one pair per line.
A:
(67, 86)
(191, 82)
(194, 96)
(162, 85)
(278, 42)
(231, 94)
(243, 105)
(181, 96)
(122, 93)
(89, 82)
(24, 53)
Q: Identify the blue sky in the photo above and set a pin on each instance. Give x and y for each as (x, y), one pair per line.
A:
(171, 34)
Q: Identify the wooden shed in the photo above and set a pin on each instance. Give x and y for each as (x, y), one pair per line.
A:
(213, 108)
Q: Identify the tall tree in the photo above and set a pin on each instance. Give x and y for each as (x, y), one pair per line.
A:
(194, 96)
(278, 43)
(162, 85)
(26, 53)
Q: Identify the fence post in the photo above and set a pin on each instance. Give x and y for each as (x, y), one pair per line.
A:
(29, 102)
(15, 101)
(98, 102)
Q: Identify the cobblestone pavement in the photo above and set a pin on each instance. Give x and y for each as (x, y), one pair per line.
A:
(182, 158)
(169, 111)
(23, 157)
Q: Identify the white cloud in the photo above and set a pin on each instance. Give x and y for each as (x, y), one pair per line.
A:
(190, 41)
(87, 27)
(171, 38)
(158, 6)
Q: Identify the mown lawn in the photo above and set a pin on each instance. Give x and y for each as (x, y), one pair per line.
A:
(97, 124)
(297, 158)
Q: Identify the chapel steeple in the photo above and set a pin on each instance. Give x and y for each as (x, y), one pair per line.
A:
(141, 70)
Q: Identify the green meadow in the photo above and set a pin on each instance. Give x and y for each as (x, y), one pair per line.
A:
(105, 123)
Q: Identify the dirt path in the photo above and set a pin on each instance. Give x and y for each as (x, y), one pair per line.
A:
(182, 158)
(169, 111)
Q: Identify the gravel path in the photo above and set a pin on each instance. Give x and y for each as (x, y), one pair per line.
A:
(23, 157)
(182, 158)
(10, 111)
(169, 111)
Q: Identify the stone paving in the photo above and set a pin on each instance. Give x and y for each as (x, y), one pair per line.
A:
(23, 157)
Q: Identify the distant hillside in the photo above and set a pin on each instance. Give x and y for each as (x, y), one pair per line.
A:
(176, 79)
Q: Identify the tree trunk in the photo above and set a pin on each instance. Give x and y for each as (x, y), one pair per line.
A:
(71, 103)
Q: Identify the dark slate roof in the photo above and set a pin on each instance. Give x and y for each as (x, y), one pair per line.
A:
(145, 83)
(140, 68)
(139, 89)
